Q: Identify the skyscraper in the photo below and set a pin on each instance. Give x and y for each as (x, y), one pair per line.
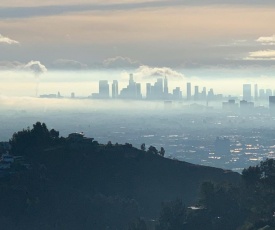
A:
(139, 95)
(157, 90)
(247, 92)
(262, 94)
(148, 90)
(115, 89)
(165, 91)
(177, 94)
(103, 89)
(159, 86)
(196, 94)
(210, 95)
(256, 92)
(131, 79)
(203, 94)
(188, 91)
(272, 104)
(132, 91)
(268, 93)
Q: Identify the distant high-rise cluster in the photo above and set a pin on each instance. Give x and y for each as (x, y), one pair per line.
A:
(248, 100)
(159, 90)
(259, 94)
(156, 91)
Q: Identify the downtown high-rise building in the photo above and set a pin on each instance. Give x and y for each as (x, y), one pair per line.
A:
(177, 94)
(247, 92)
(148, 90)
(188, 91)
(203, 94)
(256, 92)
(196, 94)
(157, 89)
(132, 91)
(272, 104)
(268, 93)
(115, 89)
(165, 89)
(103, 89)
(262, 94)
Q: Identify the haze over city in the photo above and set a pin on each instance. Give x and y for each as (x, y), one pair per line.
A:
(64, 49)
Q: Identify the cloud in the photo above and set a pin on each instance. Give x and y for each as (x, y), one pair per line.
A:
(147, 72)
(261, 55)
(7, 40)
(49, 10)
(120, 62)
(270, 40)
(69, 64)
(10, 65)
(241, 42)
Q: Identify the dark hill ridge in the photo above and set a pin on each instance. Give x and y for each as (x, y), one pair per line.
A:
(76, 183)
(128, 172)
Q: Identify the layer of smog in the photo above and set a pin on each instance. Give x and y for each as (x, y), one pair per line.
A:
(224, 130)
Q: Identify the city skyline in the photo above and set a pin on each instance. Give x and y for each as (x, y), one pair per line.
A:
(159, 90)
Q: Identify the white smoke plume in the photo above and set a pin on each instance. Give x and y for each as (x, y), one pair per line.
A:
(36, 67)
(147, 72)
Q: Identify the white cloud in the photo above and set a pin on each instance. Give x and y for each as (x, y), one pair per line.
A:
(7, 40)
(241, 42)
(69, 64)
(147, 72)
(261, 55)
(10, 65)
(33, 66)
(120, 62)
(270, 40)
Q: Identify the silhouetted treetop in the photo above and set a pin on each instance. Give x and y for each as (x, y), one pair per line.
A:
(152, 149)
(37, 137)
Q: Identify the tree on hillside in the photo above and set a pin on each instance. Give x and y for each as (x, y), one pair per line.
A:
(263, 173)
(172, 216)
(37, 137)
(138, 224)
(162, 152)
(142, 147)
(223, 204)
(152, 149)
(54, 134)
(252, 174)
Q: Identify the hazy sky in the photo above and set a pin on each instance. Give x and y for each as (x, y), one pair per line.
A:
(184, 39)
(174, 33)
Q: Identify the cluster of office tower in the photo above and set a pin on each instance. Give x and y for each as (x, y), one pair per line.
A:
(248, 100)
(156, 91)
(259, 94)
